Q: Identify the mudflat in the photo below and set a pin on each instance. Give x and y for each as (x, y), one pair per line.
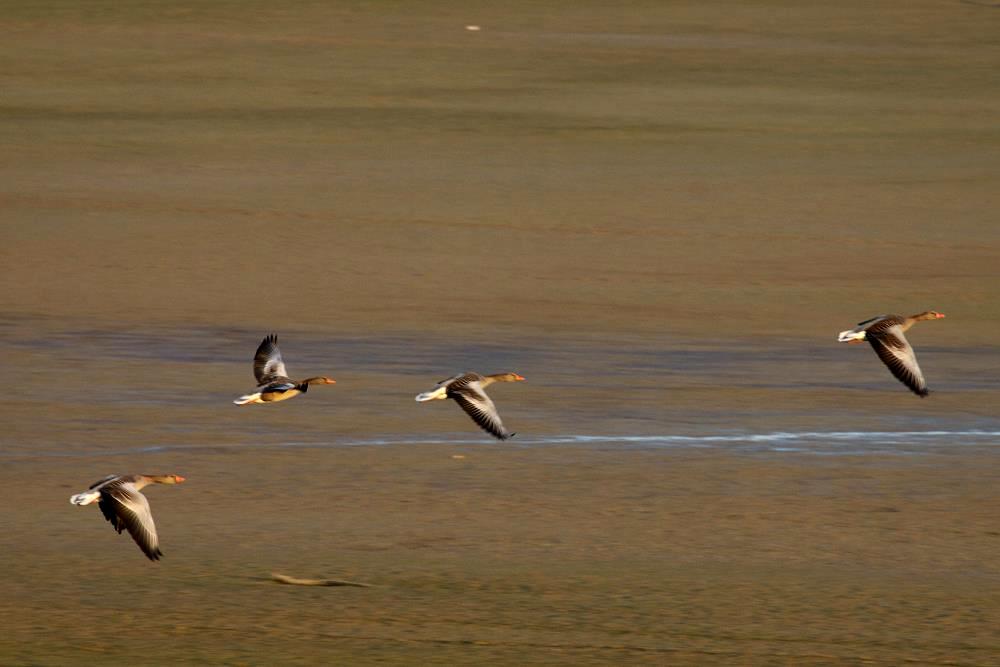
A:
(513, 555)
(661, 216)
(666, 170)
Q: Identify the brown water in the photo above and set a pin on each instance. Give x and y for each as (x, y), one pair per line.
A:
(660, 216)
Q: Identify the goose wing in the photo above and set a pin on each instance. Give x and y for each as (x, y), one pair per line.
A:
(478, 405)
(881, 324)
(268, 365)
(894, 350)
(464, 377)
(127, 509)
(871, 321)
(277, 384)
(101, 482)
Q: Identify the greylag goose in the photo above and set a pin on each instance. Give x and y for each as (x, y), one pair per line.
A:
(467, 390)
(885, 333)
(126, 509)
(273, 383)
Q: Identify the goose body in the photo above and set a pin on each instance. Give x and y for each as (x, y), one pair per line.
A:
(126, 508)
(885, 333)
(273, 383)
(468, 390)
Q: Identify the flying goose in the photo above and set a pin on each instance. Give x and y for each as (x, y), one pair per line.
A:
(126, 509)
(467, 390)
(273, 383)
(885, 333)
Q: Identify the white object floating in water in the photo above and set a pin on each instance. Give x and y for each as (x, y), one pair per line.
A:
(473, 28)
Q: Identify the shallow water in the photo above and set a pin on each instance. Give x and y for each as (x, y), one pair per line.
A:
(855, 443)
(793, 396)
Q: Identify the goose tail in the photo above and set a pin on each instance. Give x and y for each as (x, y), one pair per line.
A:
(85, 498)
(248, 398)
(851, 336)
(440, 392)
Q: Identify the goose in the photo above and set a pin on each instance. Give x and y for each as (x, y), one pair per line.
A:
(885, 333)
(273, 383)
(126, 509)
(467, 390)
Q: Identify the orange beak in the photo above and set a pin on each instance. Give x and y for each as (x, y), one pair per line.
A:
(940, 315)
(518, 377)
(179, 478)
